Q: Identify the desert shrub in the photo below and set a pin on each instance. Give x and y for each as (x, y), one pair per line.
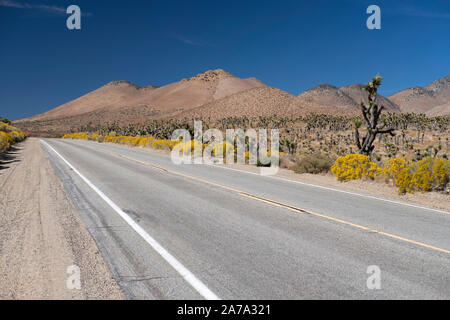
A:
(5, 127)
(144, 141)
(426, 175)
(9, 135)
(190, 145)
(95, 137)
(355, 167)
(5, 141)
(162, 144)
(16, 136)
(129, 140)
(287, 161)
(226, 148)
(313, 163)
(393, 167)
(110, 138)
(76, 135)
(272, 156)
(260, 164)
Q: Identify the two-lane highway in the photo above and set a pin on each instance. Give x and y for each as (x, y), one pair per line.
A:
(197, 231)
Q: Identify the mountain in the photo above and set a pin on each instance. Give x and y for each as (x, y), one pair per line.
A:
(125, 102)
(260, 101)
(178, 96)
(441, 110)
(112, 95)
(346, 98)
(432, 99)
(217, 94)
(357, 93)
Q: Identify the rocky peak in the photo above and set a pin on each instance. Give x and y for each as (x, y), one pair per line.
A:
(211, 75)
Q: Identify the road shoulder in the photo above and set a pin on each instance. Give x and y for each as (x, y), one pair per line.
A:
(42, 235)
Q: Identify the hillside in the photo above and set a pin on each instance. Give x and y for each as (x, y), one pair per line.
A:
(217, 94)
(357, 93)
(432, 99)
(346, 98)
(112, 95)
(263, 101)
(126, 102)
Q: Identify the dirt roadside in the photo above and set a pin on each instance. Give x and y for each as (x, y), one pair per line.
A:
(41, 234)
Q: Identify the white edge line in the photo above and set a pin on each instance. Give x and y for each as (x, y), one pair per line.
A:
(201, 288)
(332, 189)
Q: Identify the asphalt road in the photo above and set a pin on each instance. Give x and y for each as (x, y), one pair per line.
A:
(233, 235)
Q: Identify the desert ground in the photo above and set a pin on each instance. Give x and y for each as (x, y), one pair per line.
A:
(42, 234)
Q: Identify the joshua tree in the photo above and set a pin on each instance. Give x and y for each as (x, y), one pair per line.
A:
(371, 115)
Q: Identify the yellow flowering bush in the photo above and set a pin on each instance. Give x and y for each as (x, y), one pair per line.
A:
(141, 141)
(9, 135)
(113, 139)
(95, 137)
(144, 141)
(76, 135)
(6, 127)
(426, 175)
(393, 167)
(190, 145)
(129, 140)
(354, 167)
(226, 148)
(162, 144)
(5, 141)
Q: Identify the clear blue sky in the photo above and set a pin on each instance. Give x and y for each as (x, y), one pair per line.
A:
(292, 45)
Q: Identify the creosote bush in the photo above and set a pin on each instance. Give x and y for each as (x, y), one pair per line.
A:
(314, 163)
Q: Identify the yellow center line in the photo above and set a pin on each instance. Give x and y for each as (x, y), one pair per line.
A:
(281, 205)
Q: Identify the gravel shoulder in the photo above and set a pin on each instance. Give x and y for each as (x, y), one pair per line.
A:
(41, 234)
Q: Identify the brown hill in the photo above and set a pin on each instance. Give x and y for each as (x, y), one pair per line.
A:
(357, 93)
(182, 95)
(112, 95)
(125, 102)
(261, 101)
(346, 99)
(442, 110)
(328, 96)
(432, 99)
(267, 101)
(217, 94)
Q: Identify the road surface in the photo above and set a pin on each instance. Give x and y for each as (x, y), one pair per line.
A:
(196, 231)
